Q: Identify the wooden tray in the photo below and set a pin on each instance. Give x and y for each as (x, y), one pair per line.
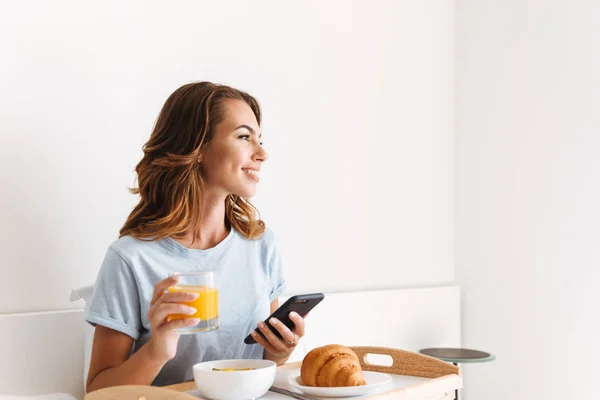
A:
(414, 377)
(137, 392)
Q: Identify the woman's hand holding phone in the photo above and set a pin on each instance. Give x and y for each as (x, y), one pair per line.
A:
(279, 334)
(279, 349)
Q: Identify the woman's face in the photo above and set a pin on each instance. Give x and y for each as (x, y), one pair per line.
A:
(232, 160)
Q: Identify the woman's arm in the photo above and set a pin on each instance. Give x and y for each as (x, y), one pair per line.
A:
(274, 305)
(110, 364)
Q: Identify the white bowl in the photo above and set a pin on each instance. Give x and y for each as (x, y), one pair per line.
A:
(234, 385)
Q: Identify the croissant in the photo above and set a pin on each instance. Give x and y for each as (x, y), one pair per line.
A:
(332, 365)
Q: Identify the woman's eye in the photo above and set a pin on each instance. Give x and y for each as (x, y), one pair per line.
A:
(247, 137)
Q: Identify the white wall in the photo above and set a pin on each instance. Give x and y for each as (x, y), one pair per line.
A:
(358, 121)
(528, 173)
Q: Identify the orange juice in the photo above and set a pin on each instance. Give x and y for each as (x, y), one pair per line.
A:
(206, 304)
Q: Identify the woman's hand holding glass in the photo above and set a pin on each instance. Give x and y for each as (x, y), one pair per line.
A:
(163, 343)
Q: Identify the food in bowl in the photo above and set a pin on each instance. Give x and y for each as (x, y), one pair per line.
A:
(245, 379)
(332, 365)
(232, 369)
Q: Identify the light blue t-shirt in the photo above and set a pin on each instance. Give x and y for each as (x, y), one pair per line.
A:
(250, 277)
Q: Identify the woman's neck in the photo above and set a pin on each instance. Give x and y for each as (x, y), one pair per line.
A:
(212, 229)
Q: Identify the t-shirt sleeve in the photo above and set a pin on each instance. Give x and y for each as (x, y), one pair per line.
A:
(275, 268)
(115, 303)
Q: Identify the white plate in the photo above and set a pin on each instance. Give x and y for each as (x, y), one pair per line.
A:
(374, 381)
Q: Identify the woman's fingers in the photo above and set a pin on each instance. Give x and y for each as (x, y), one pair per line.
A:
(180, 323)
(179, 297)
(169, 297)
(264, 343)
(298, 323)
(289, 337)
(164, 309)
(160, 288)
(271, 337)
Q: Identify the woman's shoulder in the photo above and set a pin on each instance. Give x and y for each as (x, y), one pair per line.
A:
(128, 246)
(268, 236)
(265, 239)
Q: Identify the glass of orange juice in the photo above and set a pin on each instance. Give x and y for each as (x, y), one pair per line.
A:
(206, 304)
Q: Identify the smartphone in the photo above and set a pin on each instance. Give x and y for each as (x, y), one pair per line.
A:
(301, 304)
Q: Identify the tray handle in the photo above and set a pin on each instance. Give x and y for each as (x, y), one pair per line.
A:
(405, 363)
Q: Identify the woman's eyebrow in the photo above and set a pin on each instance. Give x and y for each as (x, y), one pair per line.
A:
(250, 129)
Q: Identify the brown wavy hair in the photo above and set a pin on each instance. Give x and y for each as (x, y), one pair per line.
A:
(170, 180)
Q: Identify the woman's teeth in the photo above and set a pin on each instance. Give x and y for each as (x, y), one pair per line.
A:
(251, 172)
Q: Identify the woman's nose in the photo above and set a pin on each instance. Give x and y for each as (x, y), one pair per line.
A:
(260, 154)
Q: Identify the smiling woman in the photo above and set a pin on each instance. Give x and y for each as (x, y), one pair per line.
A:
(204, 138)
(200, 167)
